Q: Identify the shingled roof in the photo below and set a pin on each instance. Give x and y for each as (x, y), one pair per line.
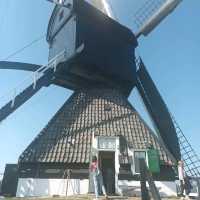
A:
(68, 136)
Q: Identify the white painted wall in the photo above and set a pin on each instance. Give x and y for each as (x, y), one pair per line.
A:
(28, 187)
(132, 188)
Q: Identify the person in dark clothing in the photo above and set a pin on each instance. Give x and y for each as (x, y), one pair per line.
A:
(187, 186)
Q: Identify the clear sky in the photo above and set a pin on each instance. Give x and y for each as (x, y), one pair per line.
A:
(171, 53)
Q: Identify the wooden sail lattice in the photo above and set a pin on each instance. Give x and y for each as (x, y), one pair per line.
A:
(189, 156)
(146, 11)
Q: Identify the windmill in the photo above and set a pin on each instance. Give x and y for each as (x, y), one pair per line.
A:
(100, 67)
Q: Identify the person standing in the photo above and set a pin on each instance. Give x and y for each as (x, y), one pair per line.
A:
(97, 177)
(181, 176)
(187, 186)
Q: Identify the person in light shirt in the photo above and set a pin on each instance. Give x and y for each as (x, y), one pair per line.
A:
(97, 178)
(185, 185)
(181, 176)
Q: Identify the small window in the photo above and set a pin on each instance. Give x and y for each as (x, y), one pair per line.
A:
(108, 143)
(138, 155)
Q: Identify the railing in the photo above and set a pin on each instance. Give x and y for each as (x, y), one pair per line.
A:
(31, 80)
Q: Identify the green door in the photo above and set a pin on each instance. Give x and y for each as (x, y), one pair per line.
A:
(153, 160)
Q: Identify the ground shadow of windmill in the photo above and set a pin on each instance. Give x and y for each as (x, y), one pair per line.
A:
(94, 55)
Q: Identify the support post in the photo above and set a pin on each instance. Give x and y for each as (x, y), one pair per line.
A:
(145, 175)
(144, 190)
(152, 186)
(13, 100)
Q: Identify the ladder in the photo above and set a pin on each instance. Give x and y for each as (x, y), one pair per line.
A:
(188, 154)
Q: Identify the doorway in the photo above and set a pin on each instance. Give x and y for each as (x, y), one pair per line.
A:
(107, 166)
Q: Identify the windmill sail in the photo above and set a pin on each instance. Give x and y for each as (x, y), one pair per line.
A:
(19, 66)
(152, 14)
(25, 95)
(42, 77)
(158, 111)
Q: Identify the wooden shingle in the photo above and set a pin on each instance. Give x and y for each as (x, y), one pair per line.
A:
(67, 138)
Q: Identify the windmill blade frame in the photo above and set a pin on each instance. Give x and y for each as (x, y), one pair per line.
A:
(158, 111)
(25, 95)
(42, 77)
(19, 66)
(147, 21)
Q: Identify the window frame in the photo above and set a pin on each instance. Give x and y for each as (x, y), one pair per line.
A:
(134, 159)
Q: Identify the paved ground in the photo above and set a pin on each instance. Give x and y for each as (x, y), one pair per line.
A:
(83, 197)
(78, 197)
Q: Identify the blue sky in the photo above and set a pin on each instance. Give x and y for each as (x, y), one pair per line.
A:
(171, 53)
